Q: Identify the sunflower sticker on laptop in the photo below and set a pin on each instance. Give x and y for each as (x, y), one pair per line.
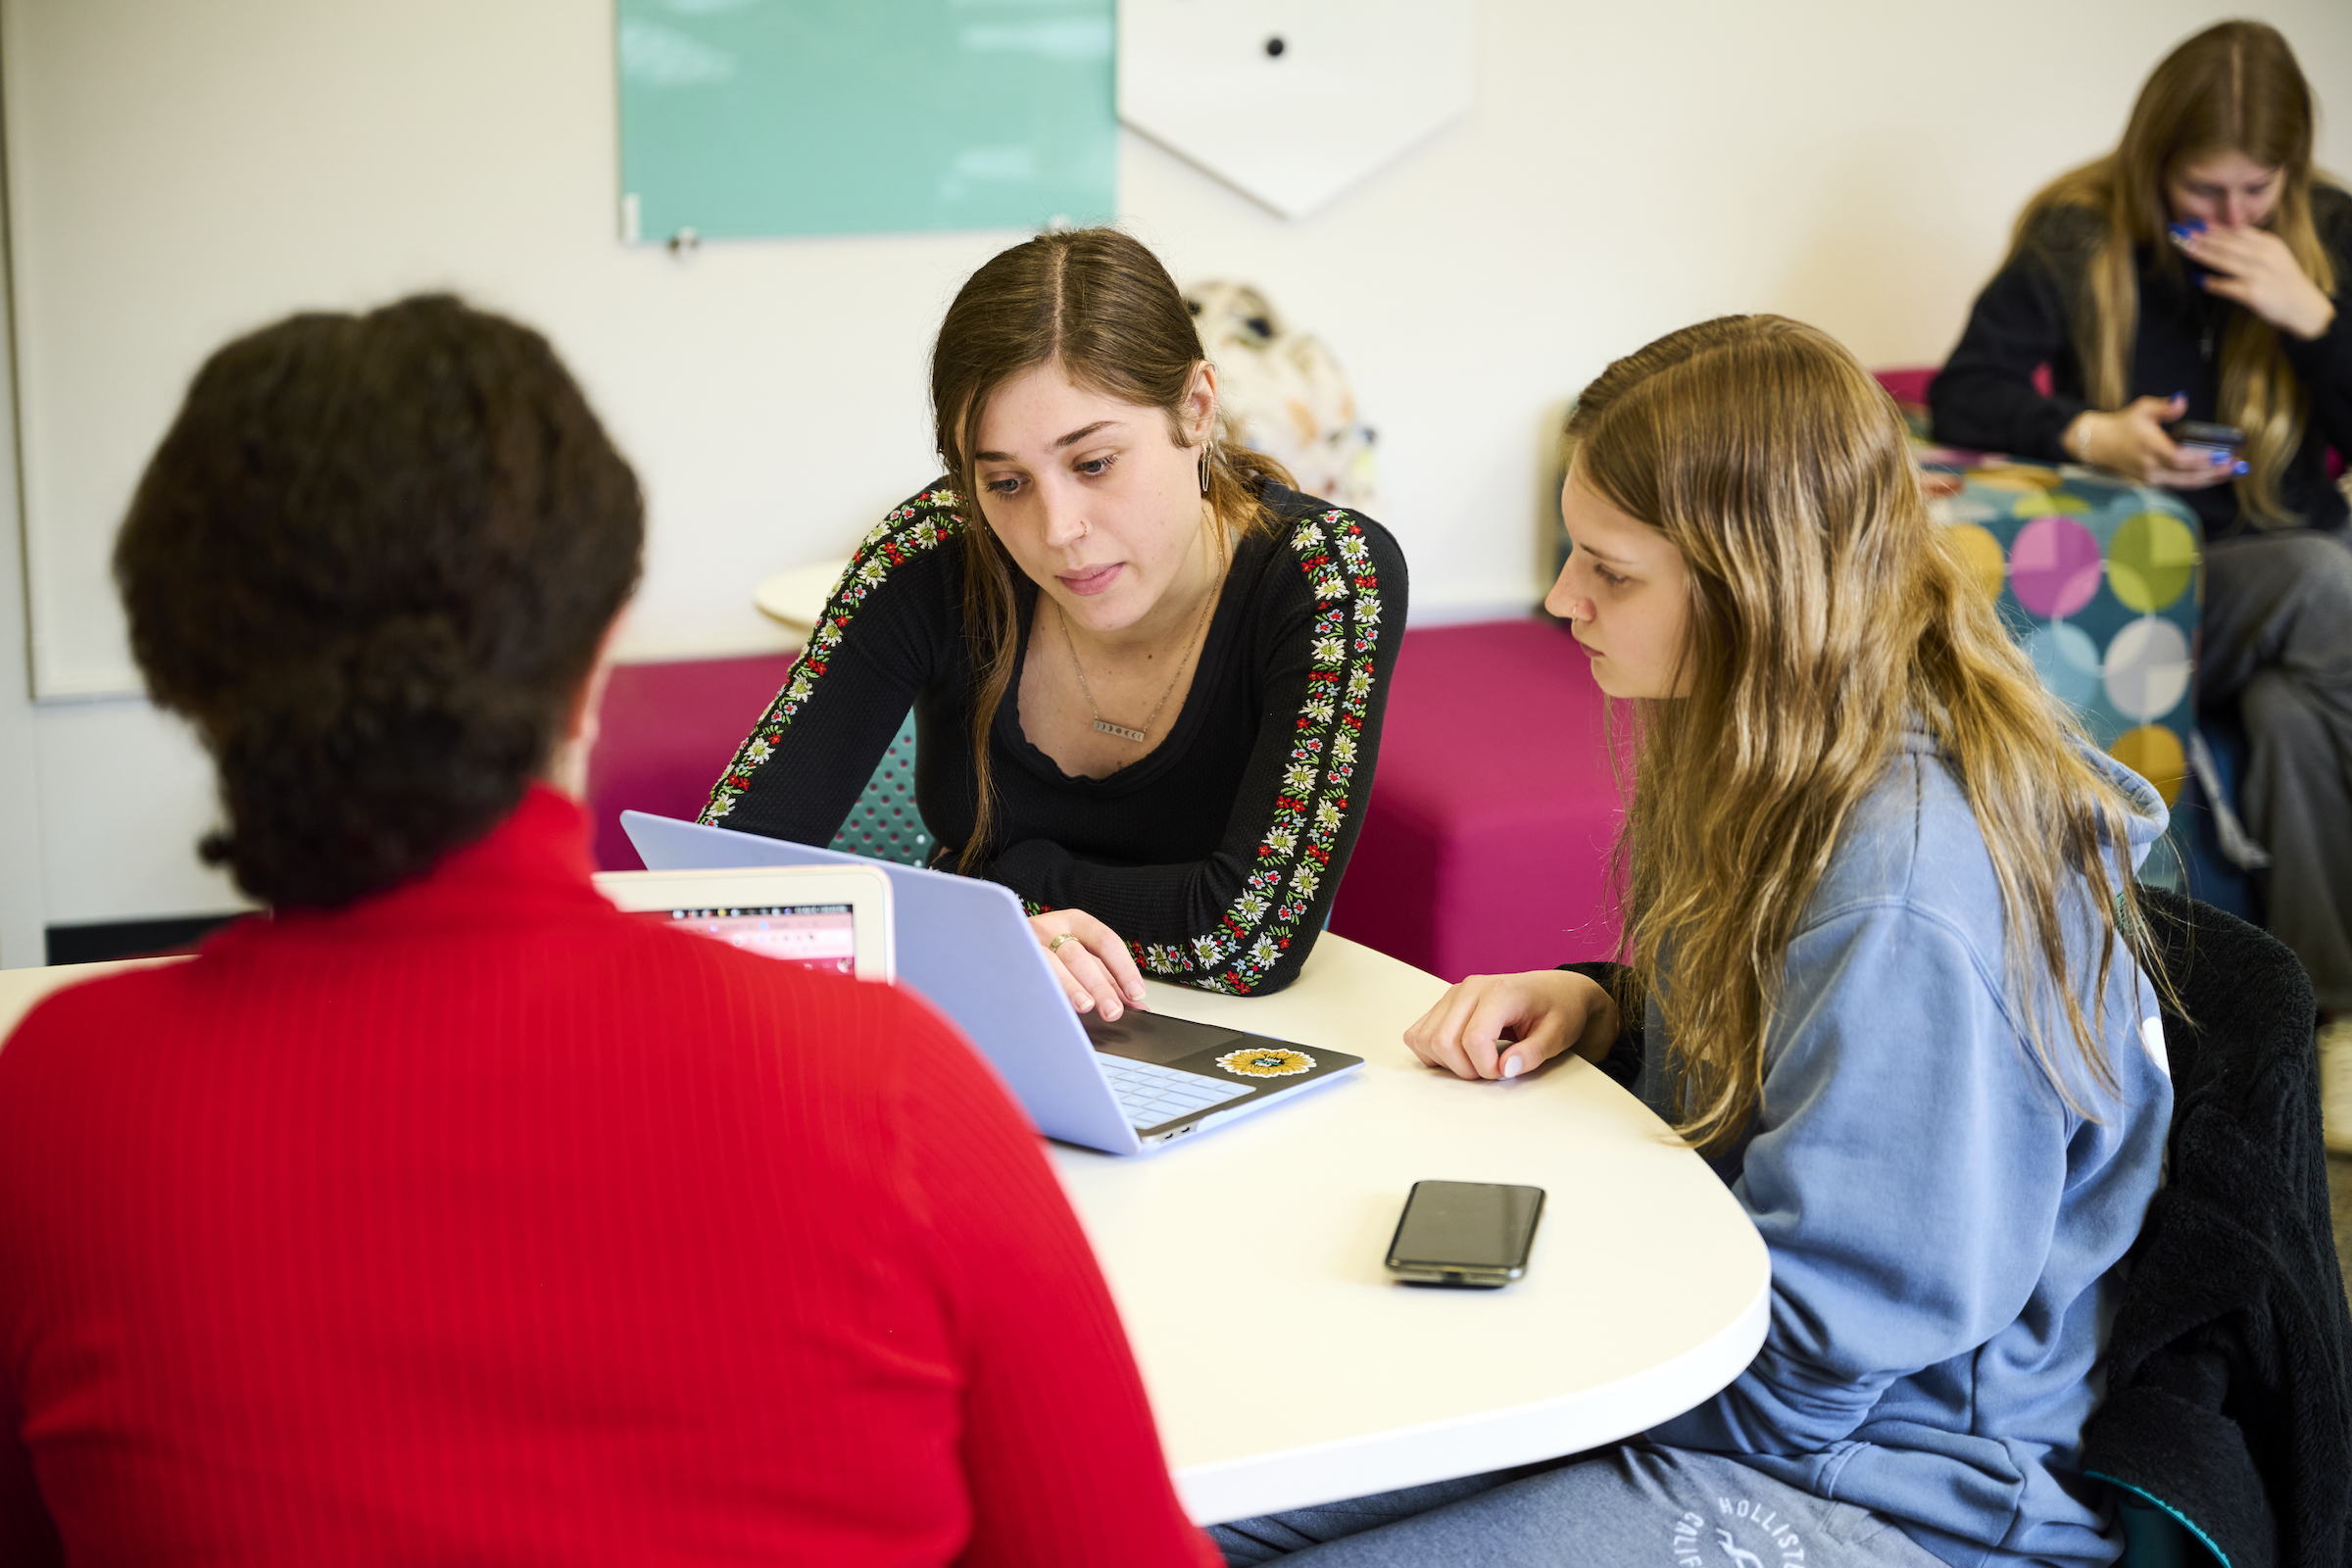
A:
(1267, 1061)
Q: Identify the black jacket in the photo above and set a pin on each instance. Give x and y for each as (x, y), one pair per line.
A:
(1985, 396)
(2227, 1366)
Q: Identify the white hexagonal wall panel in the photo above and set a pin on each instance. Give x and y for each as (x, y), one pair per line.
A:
(1293, 101)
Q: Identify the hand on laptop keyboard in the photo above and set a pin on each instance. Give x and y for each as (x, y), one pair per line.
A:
(1091, 963)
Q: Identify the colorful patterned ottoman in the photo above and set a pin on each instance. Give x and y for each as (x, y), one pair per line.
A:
(2100, 580)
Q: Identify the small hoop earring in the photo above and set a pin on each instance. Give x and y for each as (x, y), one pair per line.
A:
(1205, 448)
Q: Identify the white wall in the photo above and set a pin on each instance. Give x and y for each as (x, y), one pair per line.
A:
(179, 173)
(20, 858)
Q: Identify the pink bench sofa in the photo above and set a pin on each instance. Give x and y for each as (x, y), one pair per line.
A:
(1486, 845)
(663, 736)
(1484, 848)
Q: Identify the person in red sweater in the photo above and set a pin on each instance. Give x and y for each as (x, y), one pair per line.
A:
(444, 1213)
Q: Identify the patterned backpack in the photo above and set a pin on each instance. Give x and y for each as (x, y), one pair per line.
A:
(1281, 393)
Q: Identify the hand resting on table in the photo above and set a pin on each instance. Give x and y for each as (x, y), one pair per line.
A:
(1501, 1025)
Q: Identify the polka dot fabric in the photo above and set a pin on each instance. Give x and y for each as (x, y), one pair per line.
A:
(2098, 580)
(886, 824)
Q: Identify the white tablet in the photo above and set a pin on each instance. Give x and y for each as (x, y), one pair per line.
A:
(831, 918)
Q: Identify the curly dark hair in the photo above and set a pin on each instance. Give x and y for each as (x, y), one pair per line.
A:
(372, 560)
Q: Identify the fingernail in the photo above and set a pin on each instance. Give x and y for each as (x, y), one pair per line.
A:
(1510, 1066)
(2180, 397)
(1135, 993)
(2240, 468)
(1086, 1003)
(2219, 457)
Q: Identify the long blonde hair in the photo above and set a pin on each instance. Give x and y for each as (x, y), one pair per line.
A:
(1097, 303)
(1825, 609)
(2234, 87)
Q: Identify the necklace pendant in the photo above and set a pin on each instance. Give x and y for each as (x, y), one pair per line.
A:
(1120, 730)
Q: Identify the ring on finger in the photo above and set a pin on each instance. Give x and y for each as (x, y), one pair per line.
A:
(1055, 946)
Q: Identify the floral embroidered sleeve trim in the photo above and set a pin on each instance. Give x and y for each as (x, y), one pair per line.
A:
(922, 524)
(1311, 804)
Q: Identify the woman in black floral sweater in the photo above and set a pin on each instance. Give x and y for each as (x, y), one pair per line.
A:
(1146, 676)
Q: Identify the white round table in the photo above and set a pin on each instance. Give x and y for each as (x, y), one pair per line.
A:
(1284, 1368)
(1287, 1369)
(796, 598)
(19, 989)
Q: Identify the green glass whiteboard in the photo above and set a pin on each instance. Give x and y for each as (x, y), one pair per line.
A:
(743, 118)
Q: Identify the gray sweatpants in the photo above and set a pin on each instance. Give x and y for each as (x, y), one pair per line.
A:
(2277, 642)
(1635, 1503)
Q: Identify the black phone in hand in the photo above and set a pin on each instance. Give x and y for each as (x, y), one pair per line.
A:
(1475, 1235)
(2207, 439)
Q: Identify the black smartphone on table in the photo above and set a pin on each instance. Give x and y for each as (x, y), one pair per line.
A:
(1475, 1235)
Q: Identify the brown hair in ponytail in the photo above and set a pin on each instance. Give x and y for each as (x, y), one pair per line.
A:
(1098, 305)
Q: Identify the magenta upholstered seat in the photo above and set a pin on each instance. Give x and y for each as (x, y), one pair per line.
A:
(1908, 384)
(664, 734)
(1486, 845)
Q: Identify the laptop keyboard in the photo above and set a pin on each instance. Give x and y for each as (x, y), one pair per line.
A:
(1150, 1094)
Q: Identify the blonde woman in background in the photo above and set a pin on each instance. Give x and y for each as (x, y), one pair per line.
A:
(2197, 272)
(1880, 904)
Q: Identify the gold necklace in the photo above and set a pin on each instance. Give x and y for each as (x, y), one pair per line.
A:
(1200, 625)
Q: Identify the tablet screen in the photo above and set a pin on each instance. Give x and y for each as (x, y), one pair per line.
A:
(815, 936)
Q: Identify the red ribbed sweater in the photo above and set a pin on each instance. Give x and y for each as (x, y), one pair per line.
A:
(481, 1223)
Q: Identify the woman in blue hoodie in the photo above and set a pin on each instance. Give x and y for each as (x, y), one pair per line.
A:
(1881, 970)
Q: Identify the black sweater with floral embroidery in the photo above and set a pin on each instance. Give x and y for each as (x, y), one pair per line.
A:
(1216, 854)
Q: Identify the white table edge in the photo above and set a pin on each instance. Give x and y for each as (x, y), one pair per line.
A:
(794, 597)
(1545, 1429)
(1328, 1472)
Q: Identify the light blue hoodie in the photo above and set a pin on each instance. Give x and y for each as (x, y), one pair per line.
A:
(1944, 1231)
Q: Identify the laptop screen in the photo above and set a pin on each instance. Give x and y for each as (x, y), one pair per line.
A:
(815, 936)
